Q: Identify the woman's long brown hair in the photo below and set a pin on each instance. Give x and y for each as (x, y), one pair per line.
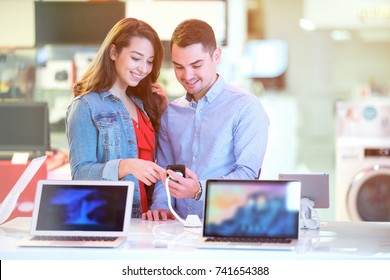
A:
(101, 74)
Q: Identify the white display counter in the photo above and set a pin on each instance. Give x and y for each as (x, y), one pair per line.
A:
(170, 241)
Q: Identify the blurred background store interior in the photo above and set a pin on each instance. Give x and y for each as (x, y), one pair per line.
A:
(300, 57)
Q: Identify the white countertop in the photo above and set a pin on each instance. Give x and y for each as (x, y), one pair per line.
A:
(170, 240)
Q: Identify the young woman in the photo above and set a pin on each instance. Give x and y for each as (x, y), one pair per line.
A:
(112, 121)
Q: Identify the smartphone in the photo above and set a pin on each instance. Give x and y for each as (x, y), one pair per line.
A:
(180, 169)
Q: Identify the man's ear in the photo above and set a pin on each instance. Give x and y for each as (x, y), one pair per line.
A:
(217, 55)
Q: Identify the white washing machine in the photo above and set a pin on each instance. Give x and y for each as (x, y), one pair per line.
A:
(363, 180)
(362, 188)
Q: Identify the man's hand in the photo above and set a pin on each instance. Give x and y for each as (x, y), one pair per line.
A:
(181, 187)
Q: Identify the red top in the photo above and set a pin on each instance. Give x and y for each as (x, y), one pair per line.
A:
(145, 134)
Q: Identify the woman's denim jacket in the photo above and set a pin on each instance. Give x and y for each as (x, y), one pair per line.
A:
(100, 133)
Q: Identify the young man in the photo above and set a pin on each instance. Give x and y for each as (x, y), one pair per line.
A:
(216, 130)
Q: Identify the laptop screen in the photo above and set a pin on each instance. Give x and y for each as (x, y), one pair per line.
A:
(252, 208)
(68, 206)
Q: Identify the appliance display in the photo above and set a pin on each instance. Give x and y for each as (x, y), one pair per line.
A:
(363, 181)
(365, 119)
(363, 161)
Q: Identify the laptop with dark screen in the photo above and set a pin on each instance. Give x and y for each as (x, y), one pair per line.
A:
(80, 214)
(251, 214)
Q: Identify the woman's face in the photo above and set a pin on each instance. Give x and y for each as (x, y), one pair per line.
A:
(134, 62)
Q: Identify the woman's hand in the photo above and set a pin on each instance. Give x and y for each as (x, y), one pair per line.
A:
(163, 96)
(158, 215)
(144, 170)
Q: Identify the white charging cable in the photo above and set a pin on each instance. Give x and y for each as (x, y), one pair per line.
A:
(308, 221)
(192, 221)
(172, 239)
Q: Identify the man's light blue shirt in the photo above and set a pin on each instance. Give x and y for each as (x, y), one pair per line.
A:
(224, 135)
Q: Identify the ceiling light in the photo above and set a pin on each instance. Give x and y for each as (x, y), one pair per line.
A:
(340, 35)
(307, 24)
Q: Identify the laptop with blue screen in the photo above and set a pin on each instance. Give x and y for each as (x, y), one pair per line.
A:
(251, 214)
(80, 214)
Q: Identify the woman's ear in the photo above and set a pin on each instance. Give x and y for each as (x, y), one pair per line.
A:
(113, 53)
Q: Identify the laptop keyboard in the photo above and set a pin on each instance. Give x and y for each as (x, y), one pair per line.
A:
(249, 240)
(75, 238)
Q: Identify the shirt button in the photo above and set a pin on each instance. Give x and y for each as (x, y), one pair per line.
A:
(190, 208)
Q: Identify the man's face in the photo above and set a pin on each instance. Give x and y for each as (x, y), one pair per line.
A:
(195, 68)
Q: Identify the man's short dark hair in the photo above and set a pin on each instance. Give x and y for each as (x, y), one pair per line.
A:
(194, 31)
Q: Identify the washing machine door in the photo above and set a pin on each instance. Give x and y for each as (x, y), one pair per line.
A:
(368, 197)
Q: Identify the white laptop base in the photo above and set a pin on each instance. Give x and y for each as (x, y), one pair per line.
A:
(249, 246)
(68, 242)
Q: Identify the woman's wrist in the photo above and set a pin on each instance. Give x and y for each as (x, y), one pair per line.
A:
(125, 165)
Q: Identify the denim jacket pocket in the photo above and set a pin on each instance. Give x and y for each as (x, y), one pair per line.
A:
(109, 133)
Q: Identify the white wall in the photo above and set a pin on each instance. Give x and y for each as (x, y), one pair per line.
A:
(17, 23)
